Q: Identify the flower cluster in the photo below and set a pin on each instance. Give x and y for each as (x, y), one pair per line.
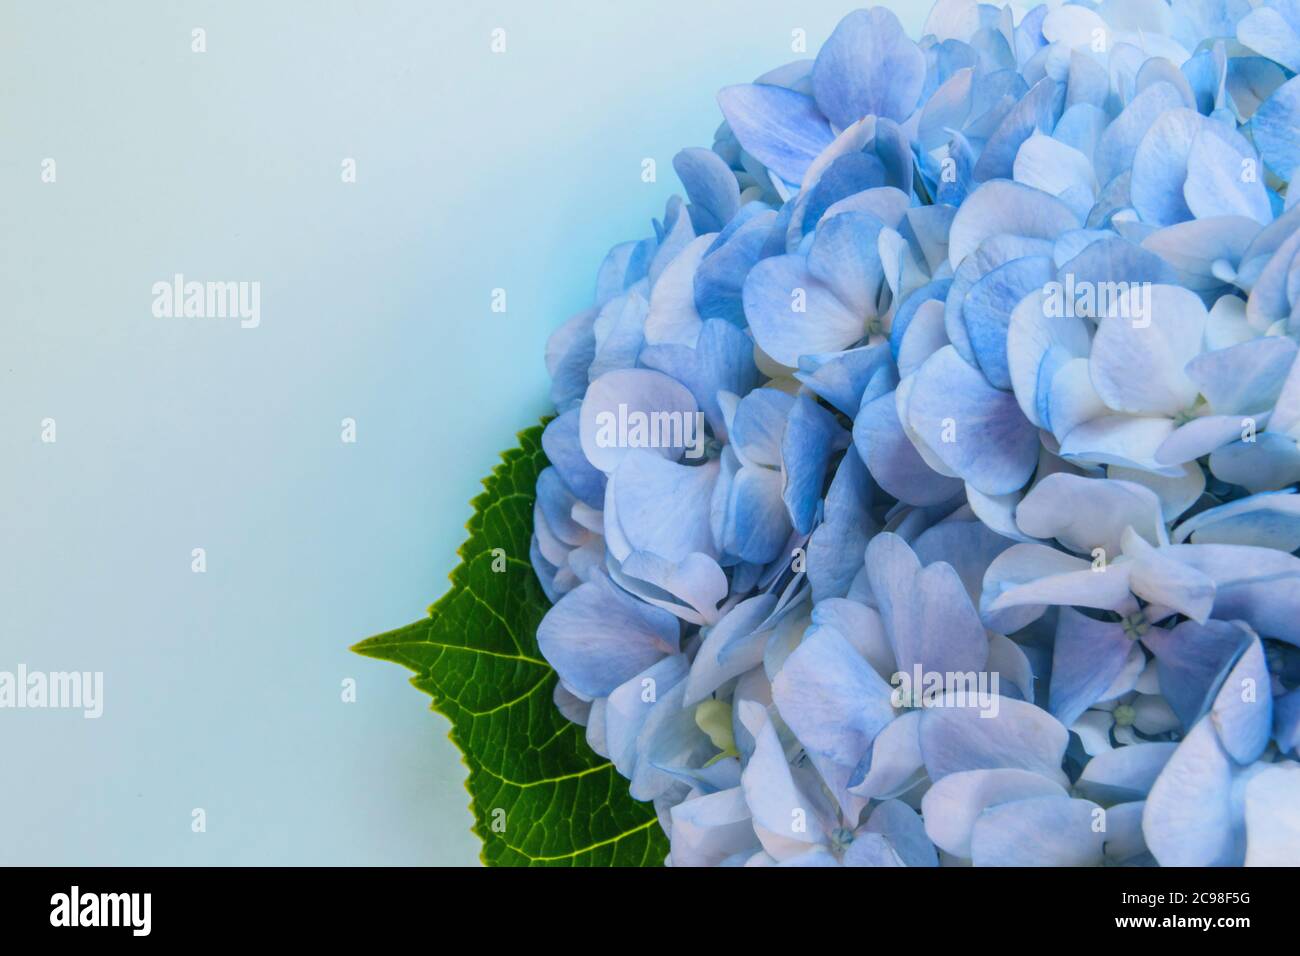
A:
(923, 491)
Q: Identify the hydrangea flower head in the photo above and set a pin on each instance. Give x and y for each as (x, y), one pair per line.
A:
(922, 491)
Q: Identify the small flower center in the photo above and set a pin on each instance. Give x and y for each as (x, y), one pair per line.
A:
(1125, 715)
(1135, 625)
(841, 837)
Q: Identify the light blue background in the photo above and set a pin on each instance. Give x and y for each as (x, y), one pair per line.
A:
(475, 171)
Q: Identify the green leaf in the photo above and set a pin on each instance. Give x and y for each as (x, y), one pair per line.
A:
(476, 655)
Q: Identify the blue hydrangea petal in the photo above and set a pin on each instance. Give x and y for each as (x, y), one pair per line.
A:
(1087, 513)
(732, 646)
(708, 829)
(1138, 362)
(1001, 206)
(988, 306)
(720, 276)
(780, 128)
(904, 830)
(1215, 185)
(1087, 656)
(1276, 128)
(1039, 831)
(893, 764)
(711, 186)
(722, 360)
(1019, 735)
(759, 426)
(1258, 586)
(1267, 520)
(1189, 818)
(868, 67)
(1274, 31)
(835, 704)
(893, 460)
(841, 377)
(836, 547)
(629, 705)
(1124, 773)
(785, 818)
(995, 447)
(646, 487)
(1242, 711)
(792, 314)
(845, 257)
(1272, 829)
(563, 449)
(598, 636)
(670, 738)
(811, 434)
(1036, 112)
(953, 805)
(639, 390)
(927, 612)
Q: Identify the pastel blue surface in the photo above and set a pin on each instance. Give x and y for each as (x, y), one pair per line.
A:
(475, 171)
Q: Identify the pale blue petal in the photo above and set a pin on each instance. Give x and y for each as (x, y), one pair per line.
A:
(894, 762)
(1138, 362)
(792, 314)
(1001, 206)
(1189, 819)
(1019, 735)
(1272, 824)
(1276, 128)
(841, 377)
(1087, 513)
(1124, 773)
(1243, 709)
(646, 487)
(892, 459)
(722, 360)
(1268, 520)
(630, 704)
(1216, 185)
(868, 67)
(731, 647)
(1036, 112)
(900, 825)
(784, 817)
(1087, 656)
(988, 306)
(1270, 31)
(811, 435)
(994, 448)
(927, 612)
(563, 450)
(598, 636)
(836, 547)
(1259, 586)
(706, 830)
(845, 257)
(1040, 831)
(711, 186)
(1192, 661)
(780, 128)
(614, 397)
(669, 739)
(835, 704)
(954, 803)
